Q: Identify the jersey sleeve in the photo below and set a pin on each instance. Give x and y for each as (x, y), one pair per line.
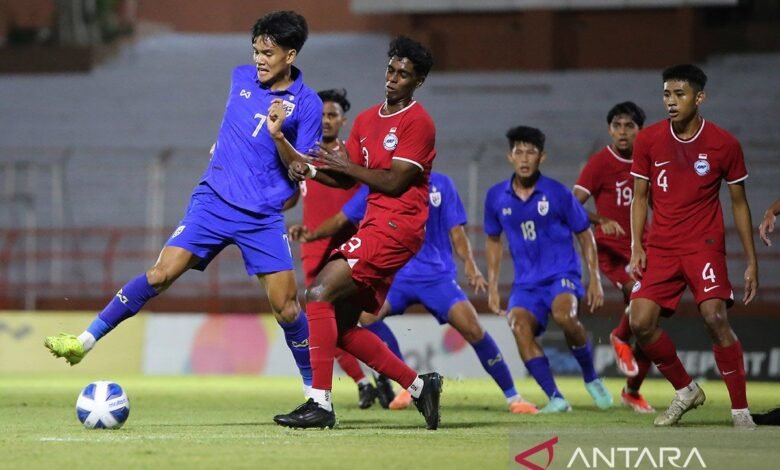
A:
(309, 126)
(416, 141)
(355, 208)
(454, 213)
(574, 214)
(640, 167)
(587, 181)
(492, 223)
(735, 170)
(354, 148)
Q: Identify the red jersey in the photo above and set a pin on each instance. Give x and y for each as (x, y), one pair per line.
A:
(375, 141)
(685, 177)
(606, 177)
(320, 202)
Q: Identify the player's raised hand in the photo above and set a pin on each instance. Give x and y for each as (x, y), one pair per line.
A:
(751, 284)
(638, 263)
(595, 296)
(299, 233)
(494, 301)
(767, 226)
(335, 158)
(611, 227)
(276, 116)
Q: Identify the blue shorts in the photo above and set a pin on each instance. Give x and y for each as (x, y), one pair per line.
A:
(437, 296)
(211, 224)
(538, 298)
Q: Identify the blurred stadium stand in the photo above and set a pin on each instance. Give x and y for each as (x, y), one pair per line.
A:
(96, 169)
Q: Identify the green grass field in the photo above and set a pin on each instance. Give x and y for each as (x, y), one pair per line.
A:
(225, 422)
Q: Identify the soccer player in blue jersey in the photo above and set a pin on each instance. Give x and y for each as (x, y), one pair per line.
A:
(240, 197)
(539, 216)
(430, 279)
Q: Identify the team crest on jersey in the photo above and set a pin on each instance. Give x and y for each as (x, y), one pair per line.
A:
(702, 167)
(636, 287)
(435, 197)
(390, 141)
(543, 206)
(288, 107)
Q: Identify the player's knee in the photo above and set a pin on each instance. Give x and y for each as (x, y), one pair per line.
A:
(472, 333)
(159, 278)
(641, 327)
(715, 319)
(316, 293)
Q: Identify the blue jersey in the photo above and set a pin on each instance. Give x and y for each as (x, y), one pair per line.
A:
(539, 230)
(246, 170)
(434, 260)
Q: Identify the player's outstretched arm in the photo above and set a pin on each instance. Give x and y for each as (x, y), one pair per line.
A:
(460, 241)
(744, 223)
(768, 224)
(494, 250)
(595, 295)
(608, 226)
(331, 226)
(638, 219)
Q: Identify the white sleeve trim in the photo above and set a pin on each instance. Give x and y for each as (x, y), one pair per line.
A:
(409, 161)
(582, 188)
(737, 180)
(640, 176)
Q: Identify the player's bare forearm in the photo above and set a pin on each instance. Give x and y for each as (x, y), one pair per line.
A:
(494, 250)
(287, 153)
(330, 226)
(743, 220)
(392, 182)
(767, 225)
(588, 247)
(638, 212)
(334, 180)
(460, 241)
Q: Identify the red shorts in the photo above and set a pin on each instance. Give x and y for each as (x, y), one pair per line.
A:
(613, 264)
(665, 278)
(374, 258)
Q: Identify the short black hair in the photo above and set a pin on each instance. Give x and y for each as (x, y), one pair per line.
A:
(630, 109)
(529, 135)
(287, 29)
(687, 72)
(336, 95)
(419, 55)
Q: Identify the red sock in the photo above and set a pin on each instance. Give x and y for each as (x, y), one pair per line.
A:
(623, 330)
(663, 353)
(350, 365)
(643, 364)
(732, 368)
(367, 347)
(322, 343)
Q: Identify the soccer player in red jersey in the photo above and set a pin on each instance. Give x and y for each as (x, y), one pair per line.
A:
(319, 203)
(768, 224)
(606, 178)
(391, 150)
(679, 164)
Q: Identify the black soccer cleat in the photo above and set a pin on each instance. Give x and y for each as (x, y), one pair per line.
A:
(428, 403)
(384, 390)
(308, 415)
(366, 395)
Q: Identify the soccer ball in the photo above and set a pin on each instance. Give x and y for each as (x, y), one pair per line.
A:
(102, 405)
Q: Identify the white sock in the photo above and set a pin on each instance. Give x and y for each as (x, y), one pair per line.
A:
(514, 398)
(416, 388)
(322, 398)
(87, 341)
(306, 391)
(363, 381)
(688, 391)
(740, 412)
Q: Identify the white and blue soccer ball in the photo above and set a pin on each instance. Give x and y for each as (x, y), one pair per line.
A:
(102, 405)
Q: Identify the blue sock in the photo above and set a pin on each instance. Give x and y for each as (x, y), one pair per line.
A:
(539, 368)
(126, 303)
(297, 336)
(494, 364)
(584, 356)
(384, 332)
